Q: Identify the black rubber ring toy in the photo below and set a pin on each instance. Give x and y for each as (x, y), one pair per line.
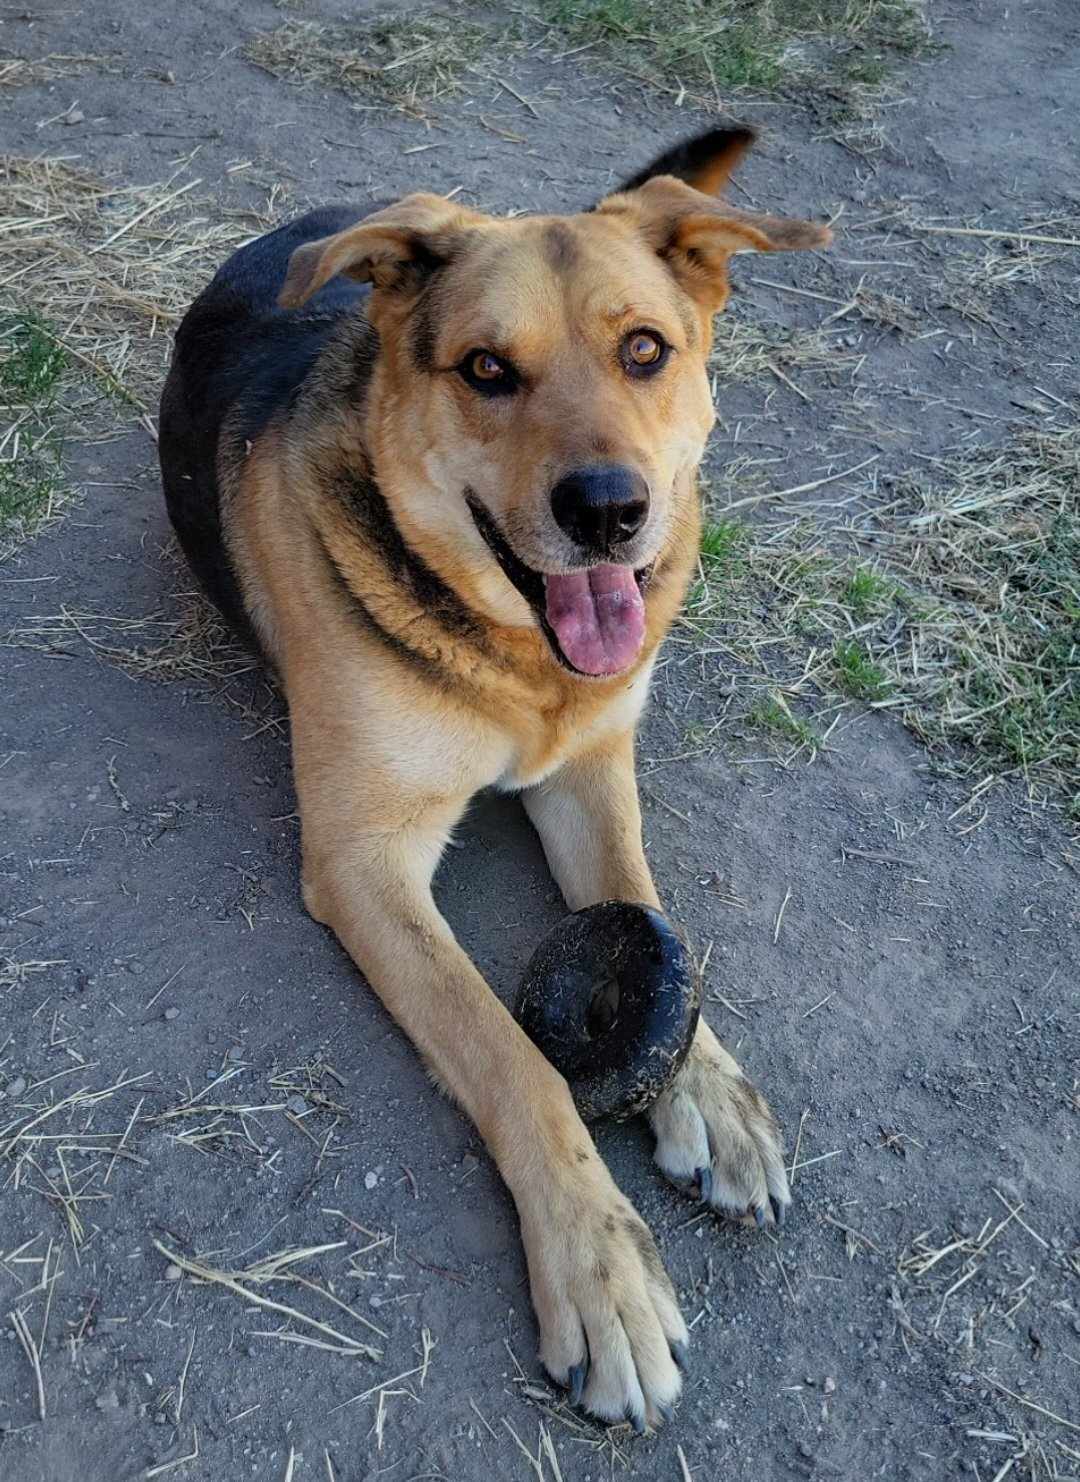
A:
(612, 1000)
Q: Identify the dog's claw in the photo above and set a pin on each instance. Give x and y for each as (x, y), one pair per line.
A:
(666, 1412)
(759, 1215)
(703, 1178)
(779, 1210)
(637, 1420)
(575, 1381)
(679, 1351)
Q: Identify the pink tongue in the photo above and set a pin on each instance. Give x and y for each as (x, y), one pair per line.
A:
(598, 617)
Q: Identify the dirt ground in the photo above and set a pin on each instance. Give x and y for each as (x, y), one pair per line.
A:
(892, 944)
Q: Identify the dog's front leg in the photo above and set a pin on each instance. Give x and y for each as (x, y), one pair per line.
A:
(714, 1130)
(610, 1326)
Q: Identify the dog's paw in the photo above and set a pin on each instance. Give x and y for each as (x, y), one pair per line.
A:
(610, 1327)
(716, 1134)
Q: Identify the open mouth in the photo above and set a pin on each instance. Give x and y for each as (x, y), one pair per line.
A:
(594, 618)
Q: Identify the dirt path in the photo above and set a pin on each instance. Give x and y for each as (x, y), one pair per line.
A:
(893, 949)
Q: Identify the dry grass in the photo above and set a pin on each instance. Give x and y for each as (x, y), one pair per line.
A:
(400, 61)
(974, 1294)
(186, 642)
(27, 72)
(989, 652)
(746, 352)
(16, 974)
(958, 608)
(110, 269)
(195, 646)
(977, 285)
(279, 1268)
(92, 278)
(56, 1150)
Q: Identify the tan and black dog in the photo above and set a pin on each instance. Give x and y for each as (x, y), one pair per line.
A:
(440, 466)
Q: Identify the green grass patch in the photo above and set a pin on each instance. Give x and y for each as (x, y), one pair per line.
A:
(31, 361)
(1030, 699)
(722, 541)
(771, 713)
(966, 623)
(857, 674)
(31, 476)
(866, 592)
(29, 487)
(708, 45)
(723, 547)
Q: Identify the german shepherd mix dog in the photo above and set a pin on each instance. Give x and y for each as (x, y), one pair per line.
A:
(440, 466)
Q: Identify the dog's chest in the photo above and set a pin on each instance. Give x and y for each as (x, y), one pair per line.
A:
(542, 741)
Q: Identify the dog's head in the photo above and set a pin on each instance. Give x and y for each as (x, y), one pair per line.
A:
(541, 398)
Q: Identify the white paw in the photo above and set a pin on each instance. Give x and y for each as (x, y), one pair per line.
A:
(716, 1133)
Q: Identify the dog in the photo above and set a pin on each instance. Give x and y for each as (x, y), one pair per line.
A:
(439, 467)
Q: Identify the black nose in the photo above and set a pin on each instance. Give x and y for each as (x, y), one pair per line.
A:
(601, 508)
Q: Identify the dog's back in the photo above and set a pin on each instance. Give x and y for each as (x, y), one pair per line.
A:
(239, 356)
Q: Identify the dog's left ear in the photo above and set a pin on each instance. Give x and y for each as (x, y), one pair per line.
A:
(396, 248)
(697, 235)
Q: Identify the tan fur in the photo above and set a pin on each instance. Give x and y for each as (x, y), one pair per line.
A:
(389, 750)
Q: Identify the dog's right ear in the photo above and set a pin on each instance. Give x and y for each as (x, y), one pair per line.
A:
(706, 162)
(395, 249)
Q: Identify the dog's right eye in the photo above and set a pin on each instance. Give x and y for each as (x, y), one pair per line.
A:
(487, 373)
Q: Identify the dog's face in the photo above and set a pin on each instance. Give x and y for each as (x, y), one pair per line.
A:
(541, 400)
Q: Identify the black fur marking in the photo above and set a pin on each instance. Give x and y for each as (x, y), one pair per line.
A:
(239, 362)
(363, 500)
(422, 335)
(361, 614)
(560, 247)
(689, 160)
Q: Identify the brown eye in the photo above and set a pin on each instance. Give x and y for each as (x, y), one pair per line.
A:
(644, 349)
(644, 352)
(486, 367)
(488, 374)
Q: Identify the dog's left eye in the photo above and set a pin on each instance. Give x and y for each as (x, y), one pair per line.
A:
(644, 352)
(487, 373)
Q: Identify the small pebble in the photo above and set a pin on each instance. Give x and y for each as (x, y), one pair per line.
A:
(17, 1086)
(830, 1385)
(370, 1180)
(173, 1272)
(75, 116)
(110, 1400)
(171, 1014)
(297, 1105)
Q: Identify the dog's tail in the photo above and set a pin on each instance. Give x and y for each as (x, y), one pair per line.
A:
(706, 162)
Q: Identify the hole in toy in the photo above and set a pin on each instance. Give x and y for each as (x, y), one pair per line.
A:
(603, 1010)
